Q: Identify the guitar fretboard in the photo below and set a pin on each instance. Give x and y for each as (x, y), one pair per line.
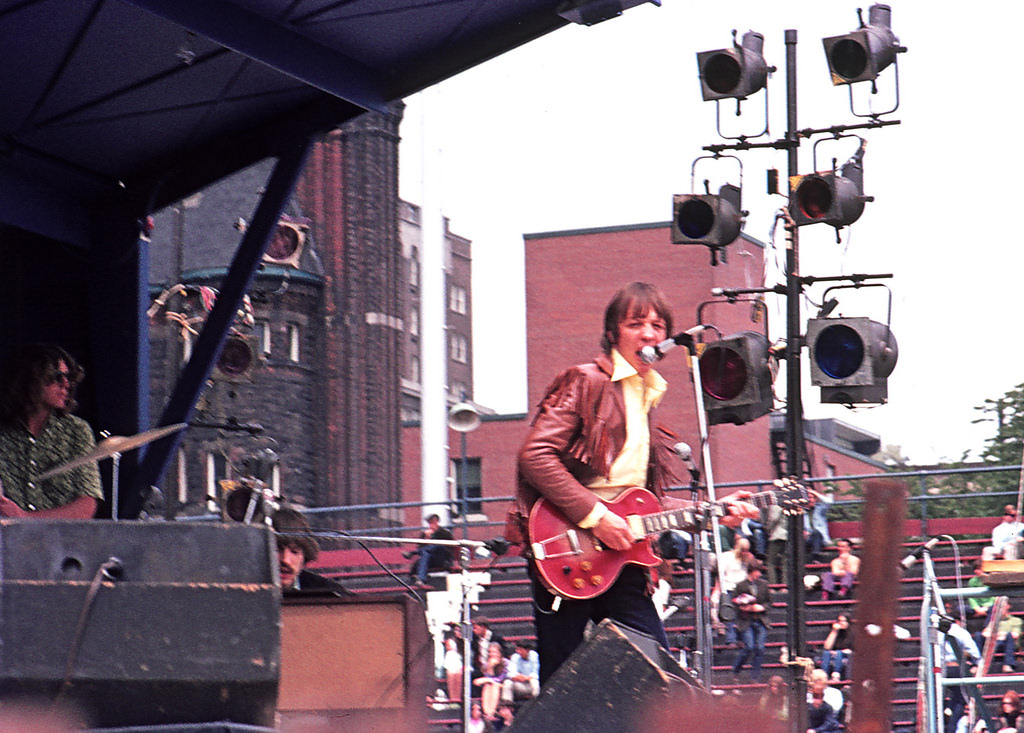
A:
(690, 519)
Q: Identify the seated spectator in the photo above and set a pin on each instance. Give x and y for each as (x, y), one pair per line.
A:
(838, 580)
(522, 680)
(978, 607)
(1007, 633)
(431, 557)
(1006, 535)
(1006, 721)
(774, 703)
(835, 653)
(832, 695)
(477, 722)
(821, 718)
(493, 674)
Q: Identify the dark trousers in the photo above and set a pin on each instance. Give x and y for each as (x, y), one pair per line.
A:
(559, 633)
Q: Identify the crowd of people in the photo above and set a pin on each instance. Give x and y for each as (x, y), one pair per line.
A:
(502, 675)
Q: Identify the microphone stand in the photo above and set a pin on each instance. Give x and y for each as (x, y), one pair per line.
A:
(702, 569)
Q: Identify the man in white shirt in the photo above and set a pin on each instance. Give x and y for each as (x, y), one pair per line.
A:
(1006, 534)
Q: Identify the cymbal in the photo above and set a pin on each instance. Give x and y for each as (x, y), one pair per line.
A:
(115, 444)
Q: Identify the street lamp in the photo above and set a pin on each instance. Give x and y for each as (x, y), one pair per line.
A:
(463, 418)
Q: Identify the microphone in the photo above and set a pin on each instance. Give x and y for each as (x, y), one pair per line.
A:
(495, 547)
(910, 559)
(684, 451)
(651, 354)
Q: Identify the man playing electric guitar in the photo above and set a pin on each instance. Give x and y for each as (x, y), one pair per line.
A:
(593, 437)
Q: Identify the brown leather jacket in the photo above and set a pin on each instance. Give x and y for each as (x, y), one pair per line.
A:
(579, 429)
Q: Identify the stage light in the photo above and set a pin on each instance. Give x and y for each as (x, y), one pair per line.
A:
(863, 54)
(851, 359)
(714, 220)
(736, 378)
(830, 198)
(733, 73)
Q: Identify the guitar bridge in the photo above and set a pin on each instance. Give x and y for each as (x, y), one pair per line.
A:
(540, 550)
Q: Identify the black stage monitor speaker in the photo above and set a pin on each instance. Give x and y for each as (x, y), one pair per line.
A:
(140, 623)
(610, 682)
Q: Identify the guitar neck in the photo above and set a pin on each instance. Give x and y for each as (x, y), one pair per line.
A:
(690, 519)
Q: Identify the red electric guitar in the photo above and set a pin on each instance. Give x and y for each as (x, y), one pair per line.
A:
(574, 564)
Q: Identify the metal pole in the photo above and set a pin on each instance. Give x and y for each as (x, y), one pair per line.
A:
(463, 488)
(795, 612)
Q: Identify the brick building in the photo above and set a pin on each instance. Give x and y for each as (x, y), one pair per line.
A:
(326, 359)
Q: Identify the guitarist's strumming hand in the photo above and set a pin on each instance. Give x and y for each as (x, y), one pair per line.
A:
(613, 532)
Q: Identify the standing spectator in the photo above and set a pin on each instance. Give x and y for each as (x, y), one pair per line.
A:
(491, 680)
(816, 526)
(838, 580)
(776, 532)
(1006, 534)
(453, 667)
(732, 569)
(523, 679)
(1007, 633)
(835, 652)
(431, 557)
(752, 598)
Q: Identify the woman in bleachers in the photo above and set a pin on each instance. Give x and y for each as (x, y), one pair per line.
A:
(835, 653)
(495, 669)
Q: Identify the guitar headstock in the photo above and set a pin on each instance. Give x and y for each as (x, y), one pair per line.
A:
(792, 495)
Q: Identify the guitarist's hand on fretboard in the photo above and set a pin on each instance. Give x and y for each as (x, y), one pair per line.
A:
(613, 532)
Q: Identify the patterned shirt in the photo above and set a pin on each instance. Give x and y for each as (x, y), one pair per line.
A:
(24, 456)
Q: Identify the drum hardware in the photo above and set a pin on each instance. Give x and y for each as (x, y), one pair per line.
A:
(112, 447)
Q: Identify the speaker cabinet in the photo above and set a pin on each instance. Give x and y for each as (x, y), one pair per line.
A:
(184, 626)
(610, 682)
(358, 663)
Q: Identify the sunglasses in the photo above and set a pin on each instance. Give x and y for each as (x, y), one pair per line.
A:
(62, 377)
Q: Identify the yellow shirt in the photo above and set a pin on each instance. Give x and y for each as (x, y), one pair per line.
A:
(640, 394)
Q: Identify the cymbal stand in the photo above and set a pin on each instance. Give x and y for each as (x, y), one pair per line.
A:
(115, 483)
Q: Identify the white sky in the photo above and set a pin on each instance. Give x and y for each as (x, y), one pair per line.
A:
(599, 126)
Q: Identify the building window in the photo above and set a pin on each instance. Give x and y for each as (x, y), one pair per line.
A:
(468, 484)
(457, 299)
(414, 321)
(262, 333)
(459, 348)
(414, 268)
(414, 369)
(293, 342)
